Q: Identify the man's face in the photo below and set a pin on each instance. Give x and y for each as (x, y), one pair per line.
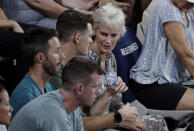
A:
(85, 41)
(92, 89)
(106, 38)
(54, 57)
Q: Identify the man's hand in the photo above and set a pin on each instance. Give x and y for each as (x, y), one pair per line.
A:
(128, 113)
(135, 125)
(131, 119)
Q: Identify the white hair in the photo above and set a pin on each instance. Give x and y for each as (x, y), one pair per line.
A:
(110, 16)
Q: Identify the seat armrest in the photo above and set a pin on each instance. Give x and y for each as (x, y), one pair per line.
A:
(174, 114)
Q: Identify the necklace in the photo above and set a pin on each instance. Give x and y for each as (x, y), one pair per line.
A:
(183, 14)
(185, 18)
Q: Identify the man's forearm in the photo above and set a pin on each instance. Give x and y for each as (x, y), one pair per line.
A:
(72, 3)
(100, 105)
(96, 123)
(47, 7)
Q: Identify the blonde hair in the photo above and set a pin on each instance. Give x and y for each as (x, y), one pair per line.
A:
(110, 16)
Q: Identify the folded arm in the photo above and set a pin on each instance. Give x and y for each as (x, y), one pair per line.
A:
(100, 105)
(47, 7)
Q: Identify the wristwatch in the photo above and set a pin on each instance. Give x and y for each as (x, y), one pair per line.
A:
(118, 117)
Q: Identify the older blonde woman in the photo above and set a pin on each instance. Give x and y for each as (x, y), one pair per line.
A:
(109, 25)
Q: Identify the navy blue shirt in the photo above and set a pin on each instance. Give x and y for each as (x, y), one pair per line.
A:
(127, 51)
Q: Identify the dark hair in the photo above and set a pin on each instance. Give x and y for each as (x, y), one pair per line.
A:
(2, 88)
(70, 22)
(79, 69)
(37, 40)
(90, 19)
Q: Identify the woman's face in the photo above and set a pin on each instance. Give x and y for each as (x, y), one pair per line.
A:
(5, 108)
(106, 38)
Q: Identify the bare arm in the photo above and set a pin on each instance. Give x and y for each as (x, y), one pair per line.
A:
(177, 36)
(11, 24)
(119, 4)
(47, 7)
(130, 120)
(80, 4)
(100, 105)
(104, 101)
(95, 123)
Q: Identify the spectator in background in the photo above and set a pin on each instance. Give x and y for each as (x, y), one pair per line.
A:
(127, 51)
(42, 12)
(43, 53)
(140, 6)
(75, 32)
(5, 108)
(59, 110)
(142, 26)
(10, 35)
(45, 12)
(167, 58)
(12, 67)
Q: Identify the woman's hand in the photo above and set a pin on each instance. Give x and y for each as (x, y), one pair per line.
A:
(120, 87)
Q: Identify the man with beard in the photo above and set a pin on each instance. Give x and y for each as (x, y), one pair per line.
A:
(43, 54)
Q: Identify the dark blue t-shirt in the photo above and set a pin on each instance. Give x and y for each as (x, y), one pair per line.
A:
(127, 51)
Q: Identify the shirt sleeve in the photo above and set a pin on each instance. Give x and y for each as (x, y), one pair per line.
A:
(168, 13)
(79, 122)
(55, 125)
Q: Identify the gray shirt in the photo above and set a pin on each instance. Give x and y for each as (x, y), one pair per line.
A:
(46, 113)
(19, 11)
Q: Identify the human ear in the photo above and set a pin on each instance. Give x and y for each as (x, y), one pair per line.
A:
(77, 38)
(79, 88)
(39, 58)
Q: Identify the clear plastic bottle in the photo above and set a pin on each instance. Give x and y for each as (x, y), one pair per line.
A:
(111, 77)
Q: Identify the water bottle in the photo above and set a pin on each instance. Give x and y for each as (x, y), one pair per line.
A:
(111, 77)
